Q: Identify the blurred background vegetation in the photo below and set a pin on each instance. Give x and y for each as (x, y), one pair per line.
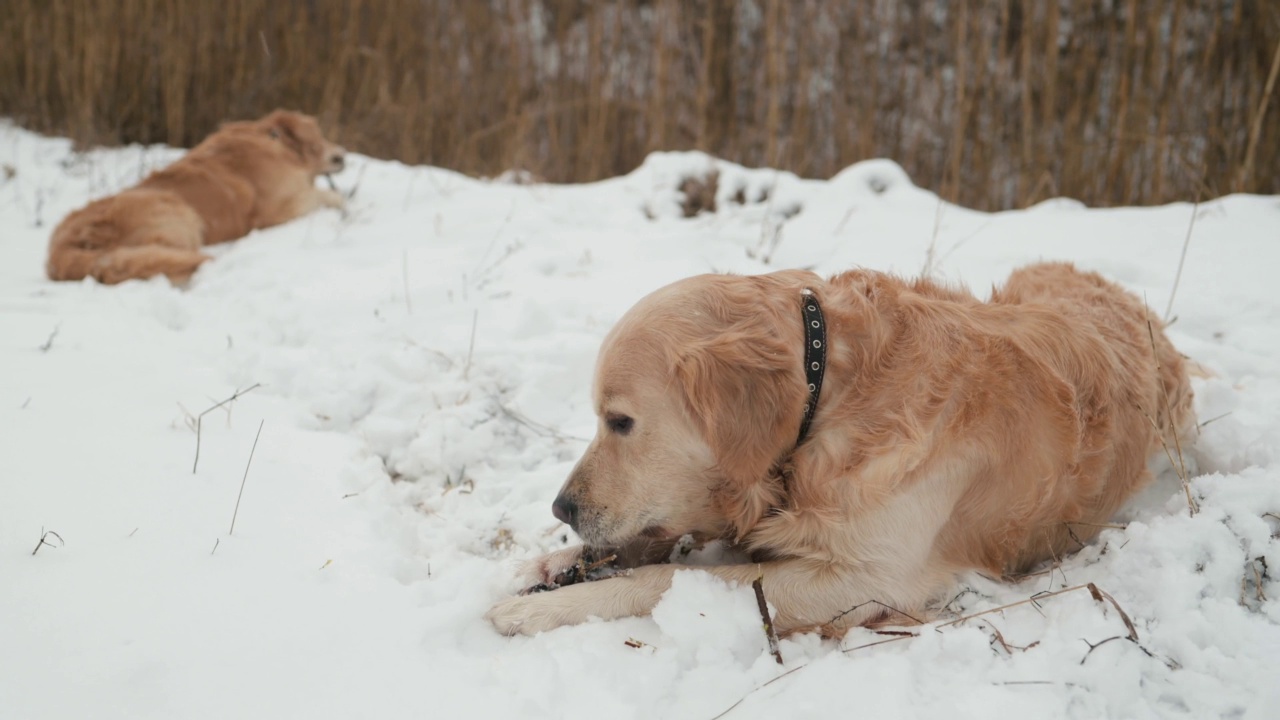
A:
(992, 103)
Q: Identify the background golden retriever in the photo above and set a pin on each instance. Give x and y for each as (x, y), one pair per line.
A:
(951, 434)
(248, 175)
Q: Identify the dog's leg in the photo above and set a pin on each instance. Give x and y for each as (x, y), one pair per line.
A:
(543, 570)
(806, 594)
(128, 263)
(330, 198)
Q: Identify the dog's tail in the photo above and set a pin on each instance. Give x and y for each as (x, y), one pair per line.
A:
(122, 263)
(71, 263)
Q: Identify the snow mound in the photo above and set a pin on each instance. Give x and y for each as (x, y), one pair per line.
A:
(422, 369)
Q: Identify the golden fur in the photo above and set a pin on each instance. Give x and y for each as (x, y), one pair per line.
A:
(951, 434)
(247, 175)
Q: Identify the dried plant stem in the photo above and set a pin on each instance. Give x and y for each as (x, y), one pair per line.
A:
(727, 710)
(1256, 131)
(1033, 599)
(1195, 210)
(1186, 487)
(245, 478)
(44, 540)
(758, 586)
(896, 638)
(1105, 526)
(47, 344)
(1007, 116)
(200, 419)
(471, 347)
(1215, 418)
(1093, 589)
(1168, 413)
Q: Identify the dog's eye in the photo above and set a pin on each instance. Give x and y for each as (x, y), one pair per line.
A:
(620, 424)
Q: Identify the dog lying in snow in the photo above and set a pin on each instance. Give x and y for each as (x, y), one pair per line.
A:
(937, 434)
(247, 175)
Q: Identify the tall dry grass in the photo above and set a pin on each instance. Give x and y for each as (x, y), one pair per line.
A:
(993, 103)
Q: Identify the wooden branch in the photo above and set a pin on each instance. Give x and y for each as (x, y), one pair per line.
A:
(769, 632)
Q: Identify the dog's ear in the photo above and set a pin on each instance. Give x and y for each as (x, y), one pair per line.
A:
(745, 388)
(283, 126)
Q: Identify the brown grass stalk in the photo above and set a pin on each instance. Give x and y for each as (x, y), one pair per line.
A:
(989, 103)
(245, 479)
(1181, 466)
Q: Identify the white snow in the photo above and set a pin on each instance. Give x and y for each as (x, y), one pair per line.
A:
(425, 368)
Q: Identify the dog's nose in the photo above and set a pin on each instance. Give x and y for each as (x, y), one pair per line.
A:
(565, 510)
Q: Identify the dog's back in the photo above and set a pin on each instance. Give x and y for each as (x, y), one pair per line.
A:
(1127, 325)
(1129, 389)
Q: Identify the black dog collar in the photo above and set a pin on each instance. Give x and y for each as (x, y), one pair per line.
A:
(815, 355)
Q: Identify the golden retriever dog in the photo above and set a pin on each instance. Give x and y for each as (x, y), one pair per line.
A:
(247, 175)
(949, 434)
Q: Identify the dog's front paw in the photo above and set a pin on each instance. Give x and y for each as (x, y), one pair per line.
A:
(530, 614)
(330, 198)
(545, 569)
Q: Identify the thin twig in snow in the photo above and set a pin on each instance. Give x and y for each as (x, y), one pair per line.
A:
(44, 540)
(886, 606)
(44, 348)
(1094, 646)
(1099, 596)
(351, 194)
(933, 241)
(1177, 277)
(999, 637)
(1186, 488)
(1094, 591)
(1034, 599)
(1216, 417)
(770, 634)
(200, 419)
(896, 638)
(1181, 466)
(541, 429)
(964, 240)
(1104, 526)
(744, 697)
(245, 478)
(475, 316)
(1057, 565)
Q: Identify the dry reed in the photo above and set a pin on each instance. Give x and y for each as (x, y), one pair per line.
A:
(993, 103)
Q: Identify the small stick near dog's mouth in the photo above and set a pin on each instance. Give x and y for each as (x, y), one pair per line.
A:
(580, 572)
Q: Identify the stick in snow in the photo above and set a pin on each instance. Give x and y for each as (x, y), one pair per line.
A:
(200, 419)
(245, 478)
(769, 632)
(44, 535)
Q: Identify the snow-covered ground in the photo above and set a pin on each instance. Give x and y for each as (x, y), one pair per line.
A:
(423, 373)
